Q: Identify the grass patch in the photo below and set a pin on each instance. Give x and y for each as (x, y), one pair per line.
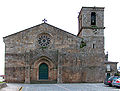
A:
(2, 82)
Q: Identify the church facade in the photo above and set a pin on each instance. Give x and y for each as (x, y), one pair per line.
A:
(47, 53)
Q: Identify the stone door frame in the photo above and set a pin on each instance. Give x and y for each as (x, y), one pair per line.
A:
(46, 61)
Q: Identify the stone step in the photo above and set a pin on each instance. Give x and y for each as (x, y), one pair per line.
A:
(43, 82)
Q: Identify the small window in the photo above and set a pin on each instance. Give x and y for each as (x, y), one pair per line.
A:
(93, 18)
(108, 67)
(93, 46)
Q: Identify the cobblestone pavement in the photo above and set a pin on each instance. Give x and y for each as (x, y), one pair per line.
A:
(60, 87)
(11, 87)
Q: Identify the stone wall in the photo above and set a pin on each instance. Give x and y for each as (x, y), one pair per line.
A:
(15, 74)
(2, 85)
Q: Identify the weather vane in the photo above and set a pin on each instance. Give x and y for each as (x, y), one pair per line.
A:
(44, 20)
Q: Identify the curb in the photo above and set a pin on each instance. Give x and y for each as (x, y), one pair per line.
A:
(2, 85)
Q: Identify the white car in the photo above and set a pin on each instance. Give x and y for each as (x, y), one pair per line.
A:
(2, 79)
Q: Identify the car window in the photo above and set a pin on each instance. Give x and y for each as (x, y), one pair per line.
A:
(119, 78)
(115, 78)
(111, 77)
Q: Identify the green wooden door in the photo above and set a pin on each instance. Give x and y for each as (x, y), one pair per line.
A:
(43, 71)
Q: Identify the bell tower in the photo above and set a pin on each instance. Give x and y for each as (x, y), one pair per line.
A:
(91, 21)
(91, 27)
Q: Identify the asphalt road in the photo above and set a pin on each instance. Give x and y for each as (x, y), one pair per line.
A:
(60, 87)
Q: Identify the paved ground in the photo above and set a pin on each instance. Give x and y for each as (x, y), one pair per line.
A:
(60, 87)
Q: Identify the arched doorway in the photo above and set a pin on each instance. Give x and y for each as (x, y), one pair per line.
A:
(43, 71)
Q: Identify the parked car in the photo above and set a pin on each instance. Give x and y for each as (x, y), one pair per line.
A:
(106, 81)
(116, 82)
(2, 79)
(109, 81)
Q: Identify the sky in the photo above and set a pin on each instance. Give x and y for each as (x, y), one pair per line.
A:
(17, 15)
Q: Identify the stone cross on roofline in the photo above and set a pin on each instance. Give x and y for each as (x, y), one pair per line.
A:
(44, 20)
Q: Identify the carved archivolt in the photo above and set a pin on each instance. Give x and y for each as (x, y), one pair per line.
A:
(46, 61)
(43, 60)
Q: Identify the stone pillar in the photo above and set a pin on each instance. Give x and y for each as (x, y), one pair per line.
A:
(27, 68)
(59, 77)
(27, 74)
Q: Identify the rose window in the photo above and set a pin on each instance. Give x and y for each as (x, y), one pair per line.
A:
(44, 41)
